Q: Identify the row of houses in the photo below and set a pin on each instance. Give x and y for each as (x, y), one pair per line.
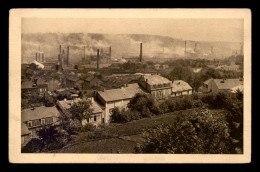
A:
(105, 101)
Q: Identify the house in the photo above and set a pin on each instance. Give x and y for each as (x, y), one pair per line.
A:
(36, 118)
(92, 82)
(97, 116)
(157, 66)
(215, 85)
(26, 135)
(72, 81)
(180, 87)
(165, 66)
(117, 98)
(34, 87)
(156, 85)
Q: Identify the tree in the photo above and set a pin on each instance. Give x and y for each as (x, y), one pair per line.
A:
(119, 116)
(144, 104)
(81, 110)
(198, 132)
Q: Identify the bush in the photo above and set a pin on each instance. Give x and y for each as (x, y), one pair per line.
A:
(88, 127)
(34, 145)
(198, 132)
(119, 116)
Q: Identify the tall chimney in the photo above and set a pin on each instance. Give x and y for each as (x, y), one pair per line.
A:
(97, 58)
(84, 55)
(36, 58)
(68, 54)
(60, 49)
(141, 52)
(43, 57)
(185, 47)
(195, 48)
(110, 51)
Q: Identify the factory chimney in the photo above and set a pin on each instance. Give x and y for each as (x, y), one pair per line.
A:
(68, 55)
(141, 46)
(195, 49)
(84, 55)
(185, 48)
(36, 58)
(97, 58)
(43, 57)
(110, 51)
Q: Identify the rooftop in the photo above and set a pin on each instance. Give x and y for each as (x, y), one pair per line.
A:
(121, 93)
(29, 84)
(66, 104)
(227, 84)
(180, 85)
(39, 113)
(156, 79)
(24, 129)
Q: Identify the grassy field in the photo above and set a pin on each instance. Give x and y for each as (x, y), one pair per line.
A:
(119, 137)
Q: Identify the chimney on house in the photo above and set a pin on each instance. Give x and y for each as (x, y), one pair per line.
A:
(141, 53)
(97, 58)
(68, 55)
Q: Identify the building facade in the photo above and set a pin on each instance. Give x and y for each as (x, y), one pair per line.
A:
(35, 118)
(110, 99)
(180, 88)
(156, 85)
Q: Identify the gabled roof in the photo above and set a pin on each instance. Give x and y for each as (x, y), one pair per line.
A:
(72, 78)
(120, 93)
(66, 104)
(180, 85)
(228, 83)
(39, 113)
(208, 81)
(24, 129)
(156, 79)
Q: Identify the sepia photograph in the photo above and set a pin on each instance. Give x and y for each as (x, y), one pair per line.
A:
(117, 85)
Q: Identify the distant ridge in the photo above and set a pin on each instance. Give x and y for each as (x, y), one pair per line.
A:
(123, 45)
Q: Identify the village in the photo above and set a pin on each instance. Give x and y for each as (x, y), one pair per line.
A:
(51, 89)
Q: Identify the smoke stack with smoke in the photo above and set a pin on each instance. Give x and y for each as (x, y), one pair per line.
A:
(68, 52)
(97, 58)
(141, 46)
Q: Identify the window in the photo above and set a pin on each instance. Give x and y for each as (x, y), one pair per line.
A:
(88, 120)
(103, 120)
(29, 123)
(95, 118)
(42, 121)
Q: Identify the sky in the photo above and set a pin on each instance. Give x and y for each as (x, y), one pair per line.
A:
(228, 30)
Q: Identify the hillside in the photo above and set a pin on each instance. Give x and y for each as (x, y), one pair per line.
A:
(123, 45)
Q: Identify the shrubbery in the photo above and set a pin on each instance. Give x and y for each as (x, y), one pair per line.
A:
(199, 132)
(143, 106)
(50, 138)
